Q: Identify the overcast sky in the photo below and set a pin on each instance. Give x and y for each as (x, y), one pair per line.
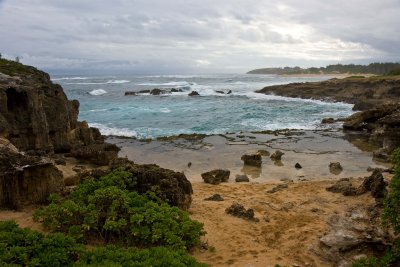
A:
(188, 36)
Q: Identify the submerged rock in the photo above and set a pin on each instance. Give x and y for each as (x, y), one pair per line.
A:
(252, 159)
(216, 176)
(130, 93)
(193, 93)
(335, 168)
(277, 155)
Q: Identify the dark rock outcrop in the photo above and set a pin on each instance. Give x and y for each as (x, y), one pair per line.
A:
(26, 180)
(238, 210)
(193, 93)
(343, 186)
(252, 159)
(172, 187)
(36, 116)
(216, 176)
(130, 93)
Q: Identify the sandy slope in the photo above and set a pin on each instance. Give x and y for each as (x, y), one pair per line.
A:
(296, 215)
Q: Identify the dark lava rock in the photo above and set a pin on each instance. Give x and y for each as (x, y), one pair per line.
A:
(298, 166)
(277, 188)
(277, 155)
(215, 197)
(216, 176)
(130, 93)
(335, 168)
(157, 91)
(172, 187)
(175, 90)
(263, 153)
(194, 93)
(327, 120)
(252, 160)
(239, 210)
(242, 178)
(26, 180)
(343, 186)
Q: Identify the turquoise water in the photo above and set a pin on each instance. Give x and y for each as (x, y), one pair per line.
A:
(104, 105)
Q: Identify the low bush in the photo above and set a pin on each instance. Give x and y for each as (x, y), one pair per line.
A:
(24, 247)
(108, 210)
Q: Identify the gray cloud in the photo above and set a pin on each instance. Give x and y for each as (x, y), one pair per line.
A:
(197, 36)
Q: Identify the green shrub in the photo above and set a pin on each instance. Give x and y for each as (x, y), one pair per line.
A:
(132, 257)
(24, 247)
(105, 209)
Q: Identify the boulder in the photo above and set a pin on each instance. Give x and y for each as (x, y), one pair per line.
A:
(375, 183)
(298, 166)
(157, 91)
(241, 178)
(172, 187)
(277, 155)
(193, 93)
(26, 180)
(216, 176)
(252, 159)
(343, 186)
(176, 90)
(335, 168)
(238, 210)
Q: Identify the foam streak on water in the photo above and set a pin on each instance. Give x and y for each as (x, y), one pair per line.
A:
(148, 116)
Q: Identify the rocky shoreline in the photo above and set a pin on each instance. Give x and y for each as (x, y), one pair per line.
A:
(44, 149)
(377, 98)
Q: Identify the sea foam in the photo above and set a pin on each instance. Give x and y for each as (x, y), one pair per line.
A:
(98, 92)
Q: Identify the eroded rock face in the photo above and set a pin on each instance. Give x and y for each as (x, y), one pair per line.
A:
(26, 179)
(36, 116)
(172, 187)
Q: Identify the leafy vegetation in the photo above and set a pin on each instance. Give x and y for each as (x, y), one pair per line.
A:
(391, 216)
(108, 210)
(24, 247)
(373, 68)
(14, 68)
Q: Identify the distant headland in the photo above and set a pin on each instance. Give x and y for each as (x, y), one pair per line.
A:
(373, 68)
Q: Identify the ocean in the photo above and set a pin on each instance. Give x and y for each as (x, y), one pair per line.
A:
(103, 104)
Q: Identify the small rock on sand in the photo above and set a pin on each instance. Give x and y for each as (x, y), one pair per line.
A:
(215, 197)
(242, 178)
(277, 155)
(238, 210)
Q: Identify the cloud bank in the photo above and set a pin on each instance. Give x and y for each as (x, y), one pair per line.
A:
(182, 36)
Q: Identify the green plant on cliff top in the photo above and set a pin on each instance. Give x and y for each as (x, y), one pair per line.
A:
(104, 209)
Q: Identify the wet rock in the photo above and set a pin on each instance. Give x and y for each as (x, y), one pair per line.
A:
(252, 160)
(130, 93)
(229, 92)
(175, 90)
(335, 168)
(193, 93)
(343, 186)
(277, 155)
(26, 180)
(219, 92)
(241, 178)
(263, 153)
(144, 92)
(215, 197)
(157, 91)
(216, 176)
(298, 166)
(238, 210)
(327, 120)
(277, 188)
(172, 187)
